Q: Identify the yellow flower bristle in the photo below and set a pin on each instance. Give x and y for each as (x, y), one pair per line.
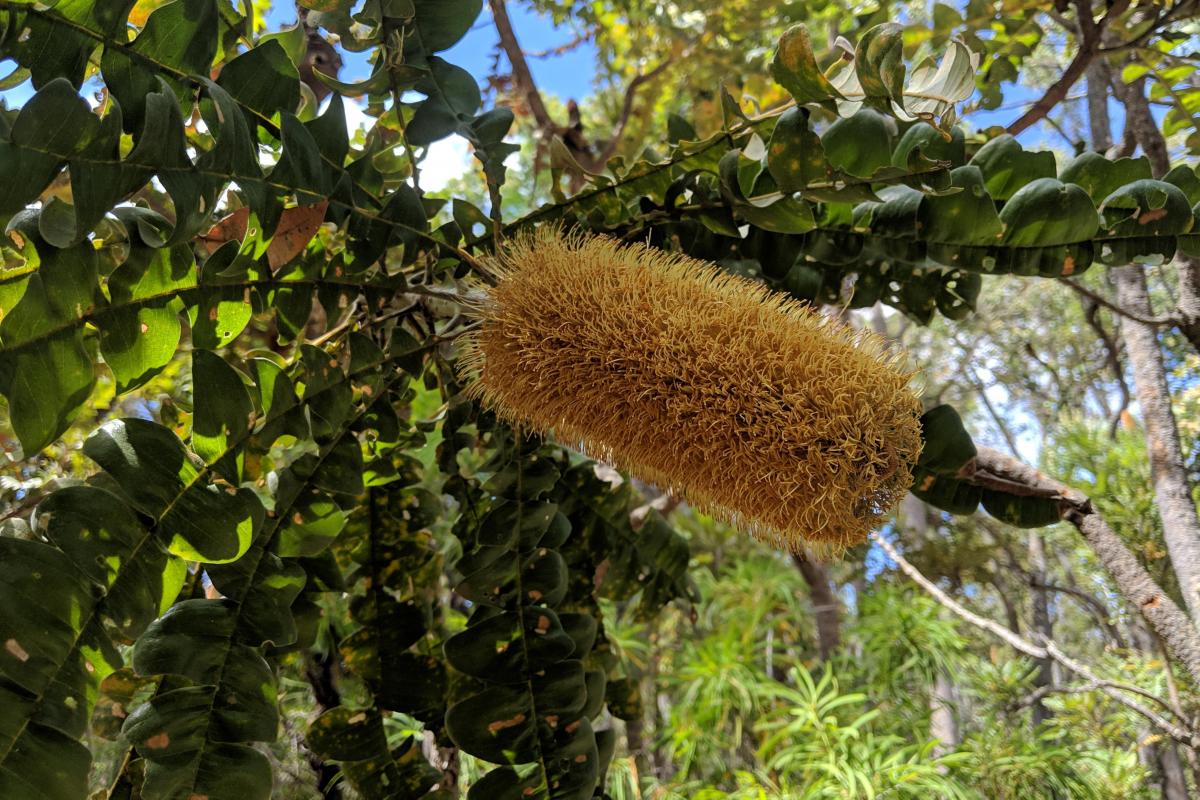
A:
(752, 406)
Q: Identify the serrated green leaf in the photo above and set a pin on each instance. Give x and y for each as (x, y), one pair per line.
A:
(1100, 177)
(795, 155)
(441, 23)
(858, 145)
(504, 648)
(52, 126)
(879, 64)
(967, 217)
(180, 36)
(452, 99)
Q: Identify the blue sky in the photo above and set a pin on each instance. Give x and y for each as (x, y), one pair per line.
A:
(569, 75)
(572, 75)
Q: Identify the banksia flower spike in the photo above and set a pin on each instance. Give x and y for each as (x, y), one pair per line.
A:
(750, 405)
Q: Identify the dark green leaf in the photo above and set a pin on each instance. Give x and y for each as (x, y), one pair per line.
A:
(795, 69)
(263, 79)
(197, 521)
(1048, 212)
(1006, 166)
(506, 647)
(223, 413)
(948, 446)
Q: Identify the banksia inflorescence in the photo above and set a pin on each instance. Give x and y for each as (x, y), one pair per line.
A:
(752, 406)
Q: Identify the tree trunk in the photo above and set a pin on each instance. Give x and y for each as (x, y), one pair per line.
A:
(1189, 299)
(1181, 525)
(1041, 620)
(1099, 123)
(1160, 756)
(1010, 611)
(1141, 127)
(659, 710)
(1174, 779)
(635, 742)
(826, 607)
(1145, 128)
(943, 726)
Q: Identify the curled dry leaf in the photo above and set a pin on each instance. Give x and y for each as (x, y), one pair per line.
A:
(296, 228)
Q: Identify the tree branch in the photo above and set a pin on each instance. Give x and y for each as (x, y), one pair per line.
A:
(981, 390)
(1112, 355)
(1089, 45)
(610, 147)
(1117, 691)
(579, 39)
(1093, 605)
(1159, 20)
(1141, 122)
(1100, 299)
(520, 67)
(992, 469)
(572, 135)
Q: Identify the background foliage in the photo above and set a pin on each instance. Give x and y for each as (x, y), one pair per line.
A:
(257, 544)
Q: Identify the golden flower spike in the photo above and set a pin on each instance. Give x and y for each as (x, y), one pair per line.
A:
(752, 406)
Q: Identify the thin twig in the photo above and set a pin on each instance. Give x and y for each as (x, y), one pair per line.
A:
(1112, 356)
(992, 469)
(610, 148)
(1169, 319)
(1154, 26)
(1089, 45)
(1049, 649)
(579, 39)
(338, 330)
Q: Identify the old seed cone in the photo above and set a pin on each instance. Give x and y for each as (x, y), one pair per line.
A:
(750, 405)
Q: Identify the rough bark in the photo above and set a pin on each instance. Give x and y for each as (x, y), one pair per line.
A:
(1159, 757)
(1041, 621)
(1141, 122)
(1170, 765)
(993, 469)
(1141, 128)
(826, 607)
(1181, 525)
(943, 726)
(1099, 121)
(635, 742)
(1092, 606)
(1193, 758)
(1189, 299)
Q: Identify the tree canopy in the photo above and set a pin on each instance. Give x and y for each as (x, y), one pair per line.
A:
(258, 522)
